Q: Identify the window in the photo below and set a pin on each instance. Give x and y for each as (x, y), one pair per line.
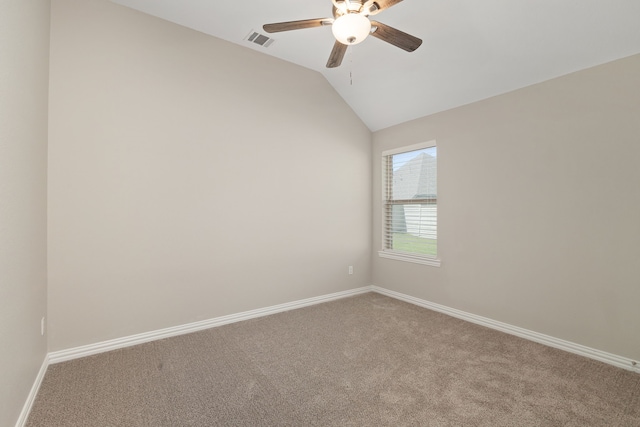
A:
(410, 204)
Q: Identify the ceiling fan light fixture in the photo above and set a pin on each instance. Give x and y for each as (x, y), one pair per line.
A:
(351, 25)
(351, 28)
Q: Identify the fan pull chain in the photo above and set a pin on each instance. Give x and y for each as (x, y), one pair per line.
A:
(351, 66)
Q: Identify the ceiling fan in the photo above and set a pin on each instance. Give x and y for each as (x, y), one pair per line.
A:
(351, 25)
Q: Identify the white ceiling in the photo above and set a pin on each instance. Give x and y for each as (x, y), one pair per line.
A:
(472, 49)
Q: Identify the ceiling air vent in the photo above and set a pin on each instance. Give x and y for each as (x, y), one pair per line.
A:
(260, 39)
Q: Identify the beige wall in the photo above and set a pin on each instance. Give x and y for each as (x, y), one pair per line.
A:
(188, 180)
(539, 208)
(24, 56)
(191, 178)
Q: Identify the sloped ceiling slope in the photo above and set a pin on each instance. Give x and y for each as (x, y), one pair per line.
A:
(471, 49)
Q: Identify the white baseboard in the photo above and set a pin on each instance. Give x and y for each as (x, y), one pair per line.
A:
(26, 409)
(87, 350)
(591, 353)
(101, 347)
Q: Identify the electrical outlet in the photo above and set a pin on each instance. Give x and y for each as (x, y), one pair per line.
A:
(351, 269)
(42, 326)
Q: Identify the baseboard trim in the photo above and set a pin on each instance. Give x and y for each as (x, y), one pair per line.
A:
(26, 409)
(114, 344)
(591, 353)
(104, 346)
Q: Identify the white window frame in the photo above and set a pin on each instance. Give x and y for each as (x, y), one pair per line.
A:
(430, 260)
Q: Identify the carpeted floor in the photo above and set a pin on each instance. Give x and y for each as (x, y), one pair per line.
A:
(368, 360)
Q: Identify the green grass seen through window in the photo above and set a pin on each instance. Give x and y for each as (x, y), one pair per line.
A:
(413, 244)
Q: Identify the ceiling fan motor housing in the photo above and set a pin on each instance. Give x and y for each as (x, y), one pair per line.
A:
(342, 7)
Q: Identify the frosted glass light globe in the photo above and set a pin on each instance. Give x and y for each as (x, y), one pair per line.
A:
(351, 28)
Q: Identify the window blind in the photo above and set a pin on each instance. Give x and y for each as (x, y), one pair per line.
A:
(410, 200)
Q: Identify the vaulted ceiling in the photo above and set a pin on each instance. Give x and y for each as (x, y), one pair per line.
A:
(472, 49)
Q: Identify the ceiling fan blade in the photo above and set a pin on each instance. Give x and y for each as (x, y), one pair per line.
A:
(395, 37)
(335, 59)
(377, 6)
(296, 25)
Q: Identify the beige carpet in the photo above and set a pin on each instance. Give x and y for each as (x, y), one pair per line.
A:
(362, 361)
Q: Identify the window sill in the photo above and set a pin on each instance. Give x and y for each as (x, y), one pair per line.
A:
(400, 256)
